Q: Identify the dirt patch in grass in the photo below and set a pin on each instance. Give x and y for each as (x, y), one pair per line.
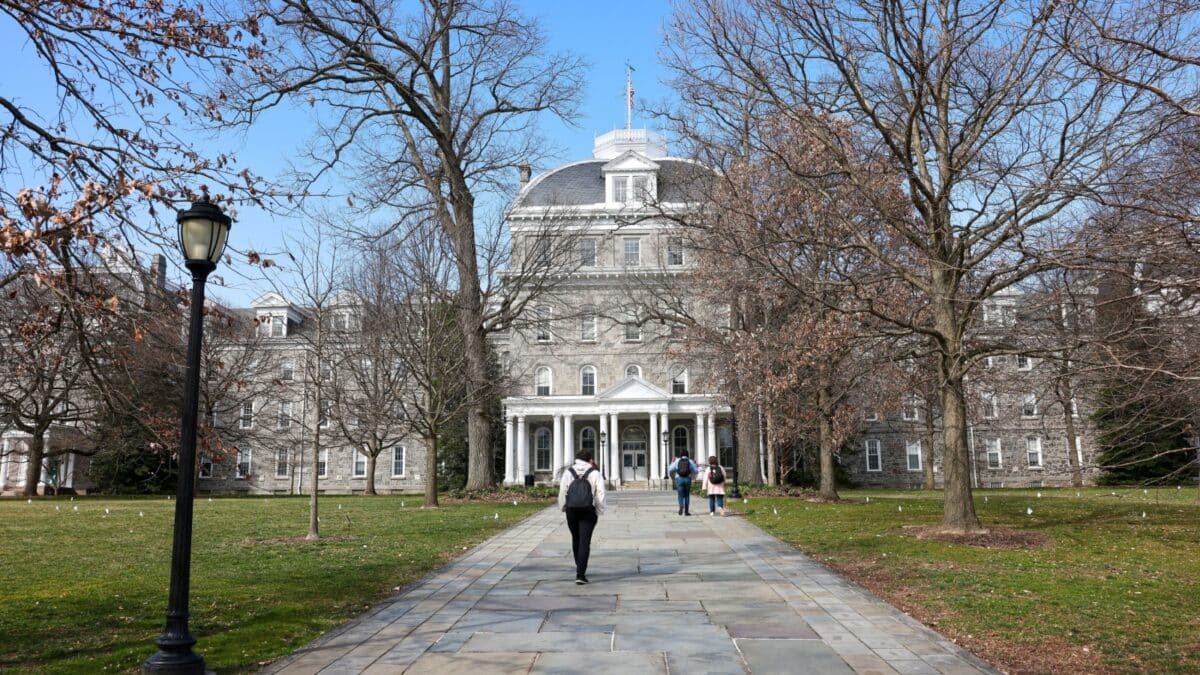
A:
(993, 538)
(1052, 655)
(298, 540)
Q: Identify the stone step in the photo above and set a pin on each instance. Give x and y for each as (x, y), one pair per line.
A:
(635, 485)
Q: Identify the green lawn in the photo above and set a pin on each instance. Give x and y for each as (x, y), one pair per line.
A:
(86, 590)
(1117, 591)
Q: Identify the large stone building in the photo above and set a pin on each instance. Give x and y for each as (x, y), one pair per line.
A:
(590, 370)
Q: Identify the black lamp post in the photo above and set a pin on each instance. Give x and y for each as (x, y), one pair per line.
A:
(602, 460)
(666, 452)
(203, 230)
(735, 493)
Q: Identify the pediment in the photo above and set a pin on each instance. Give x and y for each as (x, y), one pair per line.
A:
(270, 300)
(629, 160)
(633, 389)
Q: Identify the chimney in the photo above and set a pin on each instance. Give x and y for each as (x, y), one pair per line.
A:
(526, 171)
(158, 270)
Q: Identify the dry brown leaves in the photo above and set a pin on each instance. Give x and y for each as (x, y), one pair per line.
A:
(994, 538)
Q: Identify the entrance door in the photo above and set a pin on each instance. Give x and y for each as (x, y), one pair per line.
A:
(633, 455)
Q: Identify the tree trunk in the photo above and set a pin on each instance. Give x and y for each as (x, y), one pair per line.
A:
(958, 511)
(930, 481)
(33, 470)
(1065, 396)
(314, 530)
(431, 465)
(772, 459)
(371, 472)
(747, 445)
(828, 487)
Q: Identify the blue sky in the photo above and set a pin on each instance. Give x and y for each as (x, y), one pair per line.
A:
(606, 35)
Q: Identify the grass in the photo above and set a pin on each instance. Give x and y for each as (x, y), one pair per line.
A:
(86, 590)
(1118, 590)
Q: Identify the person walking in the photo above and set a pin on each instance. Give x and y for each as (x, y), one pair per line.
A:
(684, 470)
(581, 497)
(714, 486)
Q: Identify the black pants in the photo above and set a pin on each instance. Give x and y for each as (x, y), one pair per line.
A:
(581, 522)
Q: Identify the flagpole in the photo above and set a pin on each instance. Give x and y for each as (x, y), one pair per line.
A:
(628, 96)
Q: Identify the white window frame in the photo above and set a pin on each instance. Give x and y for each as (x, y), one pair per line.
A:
(537, 381)
(584, 372)
(991, 406)
(637, 370)
(542, 332)
(282, 461)
(631, 257)
(325, 413)
(633, 330)
(401, 453)
(539, 452)
(639, 193)
(1033, 445)
(1029, 406)
(993, 446)
(246, 418)
(909, 454)
(620, 189)
(323, 464)
(206, 467)
(871, 415)
(285, 415)
(355, 455)
(675, 252)
(324, 370)
(587, 325)
(680, 433)
(241, 469)
(341, 322)
(679, 380)
(1079, 451)
(277, 321)
(586, 259)
(287, 370)
(911, 410)
(595, 438)
(872, 448)
(1024, 362)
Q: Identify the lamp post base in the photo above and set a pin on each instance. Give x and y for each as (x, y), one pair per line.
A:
(184, 662)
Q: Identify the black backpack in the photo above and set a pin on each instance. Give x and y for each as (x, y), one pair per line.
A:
(717, 475)
(579, 493)
(684, 468)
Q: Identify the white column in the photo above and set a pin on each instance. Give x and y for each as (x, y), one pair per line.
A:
(699, 453)
(510, 468)
(4, 464)
(602, 448)
(522, 450)
(556, 453)
(568, 441)
(69, 479)
(655, 441)
(665, 457)
(712, 435)
(614, 448)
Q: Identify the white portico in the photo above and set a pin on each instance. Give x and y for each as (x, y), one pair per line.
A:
(634, 430)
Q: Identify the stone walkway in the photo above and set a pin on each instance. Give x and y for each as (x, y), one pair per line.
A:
(669, 594)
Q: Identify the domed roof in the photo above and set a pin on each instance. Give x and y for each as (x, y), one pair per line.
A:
(582, 183)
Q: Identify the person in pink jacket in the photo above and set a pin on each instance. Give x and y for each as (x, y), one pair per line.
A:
(714, 486)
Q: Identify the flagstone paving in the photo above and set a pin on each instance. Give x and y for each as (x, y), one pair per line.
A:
(669, 594)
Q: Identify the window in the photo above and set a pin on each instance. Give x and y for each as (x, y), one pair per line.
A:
(913, 451)
(912, 410)
(341, 321)
(874, 458)
(675, 330)
(1074, 407)
(206, 465)
(540, 252)
(1024, 362)
(620, 188)
(587, 325)
(587, 252)
(242, 470)
(633, 252)
(633, 370)
(871, 415)
(398, 458)
(287, 370)
(989, 408)
(323, 464)
(326, 412)
(542, 381)
(633, 329)
(1033, 451)
(325, 370)
(674, 250)
(641, 189)
(1029, 408)
(678, 380)
(679, 440)
(278, 326)
(285, 415)
(587, 439)
(587, 381)
(542, 327)
(725, 445)
(988, 362)
(994, 458)
(541, 449)
(358, 464)
(1078, 450)
(246, 421)
(281, 463)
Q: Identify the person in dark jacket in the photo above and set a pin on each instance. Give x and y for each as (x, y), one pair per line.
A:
(684, 470)
(582, 521)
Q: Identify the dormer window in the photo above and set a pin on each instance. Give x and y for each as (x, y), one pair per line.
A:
(273, 325)
(342, 322)
(635, 189)
(620, 189)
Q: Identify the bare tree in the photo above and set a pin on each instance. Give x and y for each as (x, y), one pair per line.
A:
(994, 131)
(433, 109)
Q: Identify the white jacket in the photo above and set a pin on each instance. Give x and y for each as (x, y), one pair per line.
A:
(596, 480)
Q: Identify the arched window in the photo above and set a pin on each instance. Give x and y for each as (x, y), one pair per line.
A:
(633, 370)
(679, 440)
(587, 439)
(542, 381)
(587, 381)
(633, 435)
(679, 380)
(541, 449)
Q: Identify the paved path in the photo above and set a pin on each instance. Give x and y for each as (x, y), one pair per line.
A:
(669, 594)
